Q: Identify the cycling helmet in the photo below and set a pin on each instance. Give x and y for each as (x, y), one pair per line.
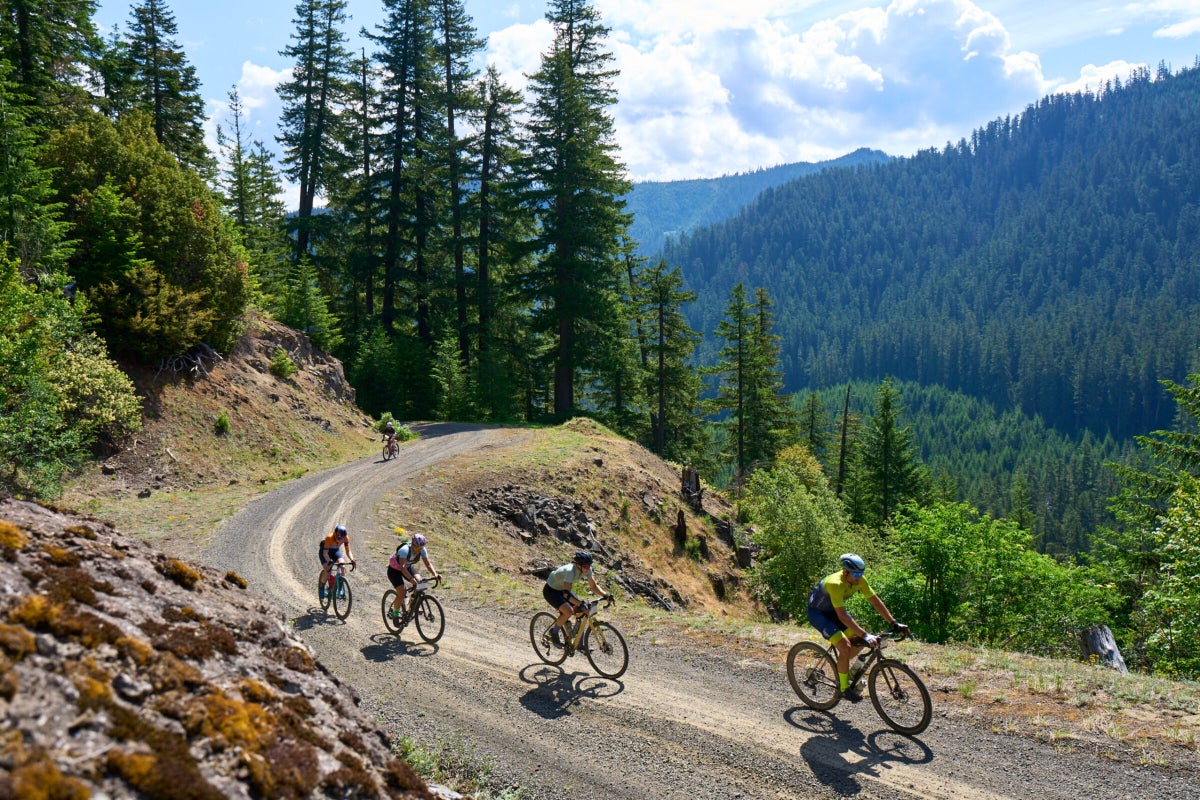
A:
(853, 563)
(583, 558)
(418, 540)
(340, 532)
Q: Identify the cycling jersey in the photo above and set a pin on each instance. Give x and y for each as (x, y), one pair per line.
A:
(407, 556)
(832, 592)
(564, 577)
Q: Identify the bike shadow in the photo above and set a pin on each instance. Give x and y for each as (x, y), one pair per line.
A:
(387, 646)
(839, 754)
(314, 617)
(555, 690)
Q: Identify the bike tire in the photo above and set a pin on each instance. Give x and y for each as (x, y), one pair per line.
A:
(343, 598)
(901, 699)
(385, 607)
(387, 452)
(813, 675)
(606, 650)
(431, 622)
(540, 626)
(323, 599)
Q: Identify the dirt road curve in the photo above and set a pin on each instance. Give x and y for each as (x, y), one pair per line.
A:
(678, 724)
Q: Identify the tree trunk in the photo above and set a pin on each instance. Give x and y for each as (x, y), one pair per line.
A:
(1099, 646)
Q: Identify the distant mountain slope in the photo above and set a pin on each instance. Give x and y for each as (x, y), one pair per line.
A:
(1051, 263)
(667, 208)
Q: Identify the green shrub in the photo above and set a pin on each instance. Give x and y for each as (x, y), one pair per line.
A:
(222, 424)
(282, 365)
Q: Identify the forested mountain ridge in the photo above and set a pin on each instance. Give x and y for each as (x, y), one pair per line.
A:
(667, 208)
(1050, 263)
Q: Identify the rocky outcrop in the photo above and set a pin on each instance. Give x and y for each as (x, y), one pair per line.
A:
(127, 673)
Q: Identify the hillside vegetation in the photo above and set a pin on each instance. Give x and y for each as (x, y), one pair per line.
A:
(663, 209)
(1048, 264)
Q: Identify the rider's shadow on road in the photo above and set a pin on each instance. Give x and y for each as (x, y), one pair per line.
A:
(385, 647)
(315, 618)
(838, 753)
(554, 690)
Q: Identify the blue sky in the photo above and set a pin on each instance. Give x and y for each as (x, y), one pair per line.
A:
(712, 87)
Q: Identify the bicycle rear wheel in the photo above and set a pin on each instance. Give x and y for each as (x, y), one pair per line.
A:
(343, 598)
(900, 697)
(324, 595)
(385, 607)
(431, 622)
(539, 635)
(606, 650)
(813, 675)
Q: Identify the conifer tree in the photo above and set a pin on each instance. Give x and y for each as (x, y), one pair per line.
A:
(502, 343)
(456, 45)
(672, 384)
(576, 191)
(310, 123)
(164, 85)
(888, 466)
(50, 45)
(814, 426)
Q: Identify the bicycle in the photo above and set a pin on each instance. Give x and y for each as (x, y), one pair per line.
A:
(390, 448)
(337, 590)
(422, 607)
(600, 641)
(898, 695)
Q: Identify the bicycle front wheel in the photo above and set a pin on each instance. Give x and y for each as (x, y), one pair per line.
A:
(385, 607)
(431, 622)
(324, 593)
(539, 635)
(343, 598)
(813, 675)
(606, 650)
(900, 697)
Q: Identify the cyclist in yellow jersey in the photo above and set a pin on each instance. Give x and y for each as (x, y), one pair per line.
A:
(827, 612)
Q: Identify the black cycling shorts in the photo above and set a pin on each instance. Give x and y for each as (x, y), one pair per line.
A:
(395, 576)
(555, 597)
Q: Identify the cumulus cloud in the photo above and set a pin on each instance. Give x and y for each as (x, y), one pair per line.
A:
(1093, 77)
(757, 83)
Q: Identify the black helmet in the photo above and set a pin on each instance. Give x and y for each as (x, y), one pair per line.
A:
(583, 558)
(341, 532)
(852, 562)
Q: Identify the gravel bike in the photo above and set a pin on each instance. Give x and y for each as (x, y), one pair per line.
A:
(898, 695)
(422, 607)
(337, 590)
(599, 641)
(390, 448)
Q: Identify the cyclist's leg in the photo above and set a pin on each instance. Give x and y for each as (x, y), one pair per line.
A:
(833, 630)
(558, 601)
(396, 578)
(323, 557)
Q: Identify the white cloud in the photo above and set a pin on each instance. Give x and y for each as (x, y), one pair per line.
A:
(759, 83)
(1092, 77)
(1180, 30)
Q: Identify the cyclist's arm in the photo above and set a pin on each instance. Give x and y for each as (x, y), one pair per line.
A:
(349, 553)
(878, 603)
(595, 587)
(425, 561)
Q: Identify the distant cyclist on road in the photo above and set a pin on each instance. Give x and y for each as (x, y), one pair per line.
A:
(402, 569)
(331, 553)
(557, 590)
(827, 612)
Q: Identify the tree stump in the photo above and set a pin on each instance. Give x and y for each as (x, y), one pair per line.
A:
(680, 529)
(1099, 647)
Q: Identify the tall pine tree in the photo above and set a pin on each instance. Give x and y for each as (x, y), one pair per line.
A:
(576, 195)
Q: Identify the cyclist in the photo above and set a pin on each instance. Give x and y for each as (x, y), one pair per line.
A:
(331, 553)
(389, 433)
(827, 612)
(557, 590)
(402, 569)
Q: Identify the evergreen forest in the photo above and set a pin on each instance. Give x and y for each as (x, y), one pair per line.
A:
(974, 366)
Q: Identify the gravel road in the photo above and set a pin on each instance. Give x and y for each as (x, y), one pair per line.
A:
(678, 724)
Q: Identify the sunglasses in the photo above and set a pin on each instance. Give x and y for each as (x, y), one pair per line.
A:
(857, 574)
